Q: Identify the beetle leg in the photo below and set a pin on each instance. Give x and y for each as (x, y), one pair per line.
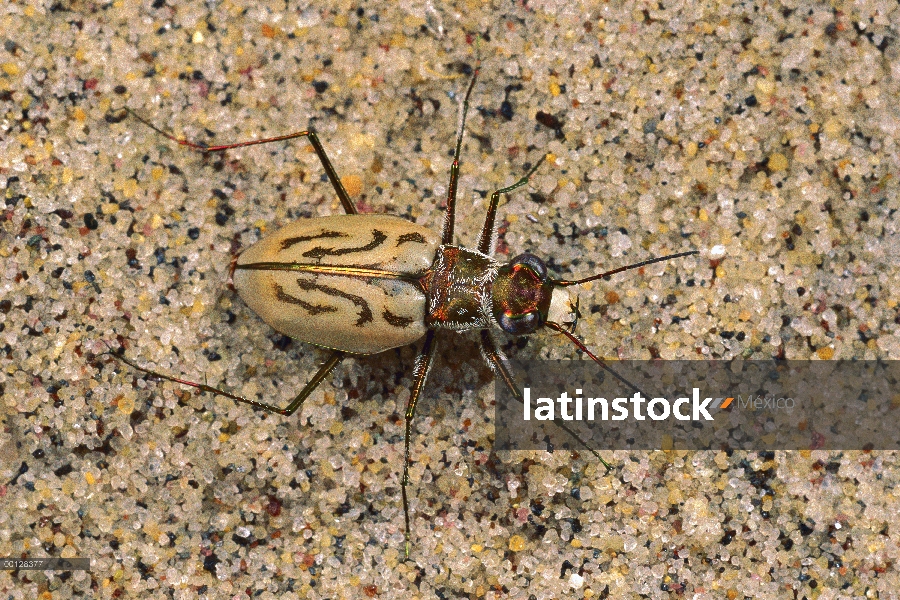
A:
(489, 231)
(580, 345)
(420, 372)
(493, 354)
(447, 233)
(347, 203)
(321, 374)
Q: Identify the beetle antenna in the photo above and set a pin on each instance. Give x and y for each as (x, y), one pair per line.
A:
(596, 359)
(564, 283)
(195, 145)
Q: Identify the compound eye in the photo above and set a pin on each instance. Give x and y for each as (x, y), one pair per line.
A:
(533, 263)
(520, 324)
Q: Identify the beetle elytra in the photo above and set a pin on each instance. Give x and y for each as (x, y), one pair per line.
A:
(362, 284)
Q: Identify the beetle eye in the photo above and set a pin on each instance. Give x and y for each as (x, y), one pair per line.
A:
(533, 263)
(520, 324)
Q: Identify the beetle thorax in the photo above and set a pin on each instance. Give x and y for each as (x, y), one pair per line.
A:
(458, 289)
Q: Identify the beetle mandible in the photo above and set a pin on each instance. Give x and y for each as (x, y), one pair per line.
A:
(362, 284)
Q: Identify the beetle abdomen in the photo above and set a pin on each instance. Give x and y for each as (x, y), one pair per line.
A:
(311, 280)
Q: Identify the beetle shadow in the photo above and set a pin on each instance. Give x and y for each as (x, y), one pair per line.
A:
(461, 390)
(460, 393)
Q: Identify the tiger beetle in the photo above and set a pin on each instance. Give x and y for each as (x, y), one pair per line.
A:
(362, 284)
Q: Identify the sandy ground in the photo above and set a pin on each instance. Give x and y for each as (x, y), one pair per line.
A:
(764, 136)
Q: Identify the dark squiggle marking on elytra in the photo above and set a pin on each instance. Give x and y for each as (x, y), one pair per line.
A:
(319, 251)
(395, 320)
(288, 242)
(312, 309)
(365, 313)
(411, 237)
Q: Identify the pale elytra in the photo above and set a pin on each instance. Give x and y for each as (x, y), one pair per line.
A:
(362, 284)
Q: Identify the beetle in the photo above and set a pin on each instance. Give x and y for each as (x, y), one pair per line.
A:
(362, 284)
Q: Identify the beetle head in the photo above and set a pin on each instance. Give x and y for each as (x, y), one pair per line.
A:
(524, 297)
